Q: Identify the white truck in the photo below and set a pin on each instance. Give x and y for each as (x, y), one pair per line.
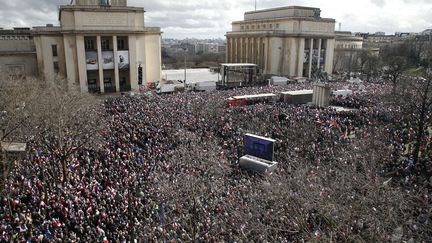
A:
(278, 81)
(168, 88)
(201, 86)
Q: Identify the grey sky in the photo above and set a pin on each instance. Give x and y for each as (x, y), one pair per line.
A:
(211, 19)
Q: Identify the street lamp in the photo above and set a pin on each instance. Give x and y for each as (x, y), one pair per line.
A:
(185, 67)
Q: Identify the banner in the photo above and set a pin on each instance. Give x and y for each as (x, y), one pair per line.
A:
(108, 60)
(306, 56)
(92, 60)
(123, 59)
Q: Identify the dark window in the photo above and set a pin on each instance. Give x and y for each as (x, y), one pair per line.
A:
(105, 45)
(89, 44)
(105, 2)
(121, 44)
(56, 67)
(54, 50)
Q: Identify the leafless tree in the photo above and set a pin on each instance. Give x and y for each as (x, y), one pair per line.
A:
(68, 120)
(394, 68)
(416, 101)
(57, 117)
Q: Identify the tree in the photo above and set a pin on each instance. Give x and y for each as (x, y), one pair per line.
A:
(67, 121)
(372, 66)
(416, 101)
(59, 118)
(17, 98)
(394, 67)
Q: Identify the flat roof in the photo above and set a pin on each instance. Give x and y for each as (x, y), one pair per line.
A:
(254, 96)
(298, 92)
(281, 8)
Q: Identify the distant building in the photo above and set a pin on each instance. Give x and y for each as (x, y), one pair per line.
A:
(347, 51)
(207, 48)
(100, 46)
(222, 48)
(427, 32)
(283, 41)
(18, 52)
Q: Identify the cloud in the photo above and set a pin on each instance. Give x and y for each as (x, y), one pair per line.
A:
(209, 18)
(379, 3)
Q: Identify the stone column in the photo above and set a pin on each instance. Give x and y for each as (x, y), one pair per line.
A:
(329, 55)
(310, 57)
(240, 50)
(319, 53)
(100, 63)
(300, 57)
(116, 68)
(246, 50)
(81, 62)
(231, 50)
(133, 62)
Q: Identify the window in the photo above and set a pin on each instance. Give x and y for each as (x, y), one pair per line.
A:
(56, 67)
(105, 44)
(105, 2)
(54, 50)
(242, 27)
(271, 26)
(277, 26)
(121, 44)
(89, 44)
(264, 26)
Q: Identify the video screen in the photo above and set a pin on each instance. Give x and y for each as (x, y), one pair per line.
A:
(258, 147)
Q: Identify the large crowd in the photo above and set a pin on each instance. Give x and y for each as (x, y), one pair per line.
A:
(166, 169)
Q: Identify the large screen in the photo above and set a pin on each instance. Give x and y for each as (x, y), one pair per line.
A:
(259, 146)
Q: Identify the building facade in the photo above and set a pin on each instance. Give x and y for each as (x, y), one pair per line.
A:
(289, 41)
(100, 46)
(18, 52)
(348, 50)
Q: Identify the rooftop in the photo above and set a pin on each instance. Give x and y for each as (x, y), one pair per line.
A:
(284, 12)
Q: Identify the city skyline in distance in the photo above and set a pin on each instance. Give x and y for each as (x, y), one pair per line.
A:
(212, 19)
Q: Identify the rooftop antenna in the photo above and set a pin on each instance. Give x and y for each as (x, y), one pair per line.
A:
(340, 26)
(71, 2)
(255, 4)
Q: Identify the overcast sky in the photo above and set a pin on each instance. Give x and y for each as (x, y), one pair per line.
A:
(212, 19)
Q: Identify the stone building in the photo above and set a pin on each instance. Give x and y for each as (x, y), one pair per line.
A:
(100, 46)
(17, 52)
(348, 49)
(289, 41)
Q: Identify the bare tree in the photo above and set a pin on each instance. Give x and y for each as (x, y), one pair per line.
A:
(17, 98)
(394, 67)
(416, 100)
(68, 120)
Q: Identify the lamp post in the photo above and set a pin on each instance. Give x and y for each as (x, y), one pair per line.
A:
(185, 67)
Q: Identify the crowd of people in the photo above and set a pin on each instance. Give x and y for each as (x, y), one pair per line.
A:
(166, 169)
